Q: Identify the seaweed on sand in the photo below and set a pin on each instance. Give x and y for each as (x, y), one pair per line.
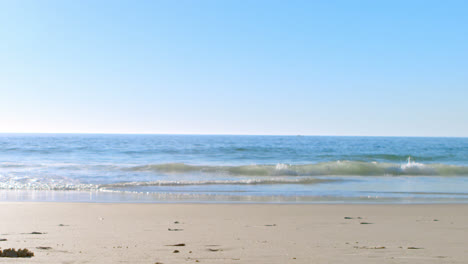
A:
(13, 253)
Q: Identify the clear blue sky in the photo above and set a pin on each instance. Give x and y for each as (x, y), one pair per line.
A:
(396, 68)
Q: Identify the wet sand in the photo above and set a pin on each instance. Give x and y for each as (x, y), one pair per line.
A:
(234, 233)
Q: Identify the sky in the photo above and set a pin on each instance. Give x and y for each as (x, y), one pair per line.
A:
(365, 68)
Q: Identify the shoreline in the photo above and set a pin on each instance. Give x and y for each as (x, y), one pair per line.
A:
(104, 196)
(235, 233)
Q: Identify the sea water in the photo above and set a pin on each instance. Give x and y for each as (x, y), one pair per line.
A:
(224, 168)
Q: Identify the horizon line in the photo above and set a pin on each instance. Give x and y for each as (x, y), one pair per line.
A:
(226, 134)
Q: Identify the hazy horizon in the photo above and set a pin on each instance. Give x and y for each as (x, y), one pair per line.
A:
(180, 134)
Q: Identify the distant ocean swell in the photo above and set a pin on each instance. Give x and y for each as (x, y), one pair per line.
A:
(354, 168)
(227, 151)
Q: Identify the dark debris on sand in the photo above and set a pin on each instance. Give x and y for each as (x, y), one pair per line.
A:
(44, 248)
(13, 253)
(414, 248)
(177, 245)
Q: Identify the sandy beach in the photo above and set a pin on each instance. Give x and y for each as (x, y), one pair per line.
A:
(234, 233)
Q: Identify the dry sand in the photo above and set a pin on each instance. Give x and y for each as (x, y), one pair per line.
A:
(235, 233)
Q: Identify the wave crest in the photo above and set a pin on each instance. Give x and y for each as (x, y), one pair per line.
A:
(352, 168)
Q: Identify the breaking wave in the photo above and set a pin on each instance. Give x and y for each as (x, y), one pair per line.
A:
(354, 168)
(106, 176)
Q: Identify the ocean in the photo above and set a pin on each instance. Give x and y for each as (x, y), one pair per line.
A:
(232, 169)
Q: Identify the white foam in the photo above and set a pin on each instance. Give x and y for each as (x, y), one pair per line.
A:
(412, 164)
(282, 166)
